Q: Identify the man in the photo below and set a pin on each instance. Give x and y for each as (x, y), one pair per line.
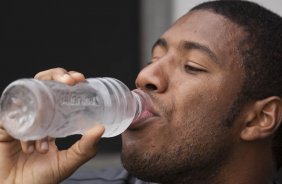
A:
(216, 87)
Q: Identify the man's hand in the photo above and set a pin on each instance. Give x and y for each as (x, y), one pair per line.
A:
(40, 162)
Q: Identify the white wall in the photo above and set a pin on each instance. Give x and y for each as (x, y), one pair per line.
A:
(156, 16)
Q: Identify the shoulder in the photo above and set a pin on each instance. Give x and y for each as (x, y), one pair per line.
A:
(114, 175)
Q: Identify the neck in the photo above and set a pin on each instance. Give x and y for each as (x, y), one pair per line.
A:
(249, 163)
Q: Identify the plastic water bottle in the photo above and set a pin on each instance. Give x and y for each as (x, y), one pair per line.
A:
(32, 109)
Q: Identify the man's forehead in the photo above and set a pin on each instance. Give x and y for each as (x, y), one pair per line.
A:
(207, 28)
(204, 20)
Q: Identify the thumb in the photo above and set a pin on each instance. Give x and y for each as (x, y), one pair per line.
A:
(82, 150)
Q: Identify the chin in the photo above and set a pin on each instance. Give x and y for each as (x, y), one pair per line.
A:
(138, 166)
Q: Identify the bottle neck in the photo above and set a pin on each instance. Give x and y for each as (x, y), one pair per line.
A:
(139, 100)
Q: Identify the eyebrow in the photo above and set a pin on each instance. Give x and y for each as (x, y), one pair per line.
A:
(189, 45)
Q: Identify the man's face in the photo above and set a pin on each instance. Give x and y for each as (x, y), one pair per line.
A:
(193, 80)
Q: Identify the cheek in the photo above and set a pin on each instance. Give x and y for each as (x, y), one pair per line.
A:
(200, 108)
(199, 123)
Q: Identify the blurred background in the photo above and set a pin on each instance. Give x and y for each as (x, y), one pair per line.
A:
(98, 38)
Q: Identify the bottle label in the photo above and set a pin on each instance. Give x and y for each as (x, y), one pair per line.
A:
(78, 99)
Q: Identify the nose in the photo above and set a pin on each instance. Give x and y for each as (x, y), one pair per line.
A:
(152, 78)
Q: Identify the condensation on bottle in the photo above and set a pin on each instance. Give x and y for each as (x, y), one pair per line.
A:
(32, 109)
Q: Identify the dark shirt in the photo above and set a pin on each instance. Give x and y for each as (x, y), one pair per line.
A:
(115, 175)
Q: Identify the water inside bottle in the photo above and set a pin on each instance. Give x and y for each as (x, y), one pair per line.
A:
(19, 108)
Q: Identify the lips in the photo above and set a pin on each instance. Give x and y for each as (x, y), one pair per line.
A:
(146, 114)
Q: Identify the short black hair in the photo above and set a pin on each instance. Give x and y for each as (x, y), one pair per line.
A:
(260, 50)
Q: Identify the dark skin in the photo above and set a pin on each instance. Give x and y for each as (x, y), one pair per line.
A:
(194, 64)
(194, 78)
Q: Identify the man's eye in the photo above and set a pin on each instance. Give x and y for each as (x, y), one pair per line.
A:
(189, 68)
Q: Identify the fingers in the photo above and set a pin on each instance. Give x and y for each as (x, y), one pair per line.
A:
(49, 74)
(78, 77)
(40, 146)
(89, 140)
(28, 146)
(61, 75)
(85, 148)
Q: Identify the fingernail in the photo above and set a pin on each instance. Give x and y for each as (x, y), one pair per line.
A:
(44, 146)
(30, 149)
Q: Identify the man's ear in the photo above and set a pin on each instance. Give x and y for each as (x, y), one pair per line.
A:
(263, 119)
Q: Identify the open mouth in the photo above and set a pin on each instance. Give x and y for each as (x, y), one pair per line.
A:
(147, 112)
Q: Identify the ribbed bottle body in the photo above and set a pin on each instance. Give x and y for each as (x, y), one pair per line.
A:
(32, 109)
